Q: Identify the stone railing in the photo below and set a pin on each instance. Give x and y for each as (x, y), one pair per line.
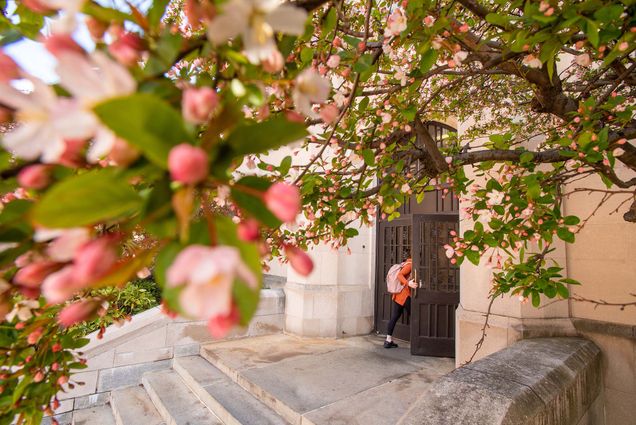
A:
(149, 342)
(547, 381)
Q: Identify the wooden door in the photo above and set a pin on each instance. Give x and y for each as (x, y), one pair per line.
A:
(433, 304)
(393, 246)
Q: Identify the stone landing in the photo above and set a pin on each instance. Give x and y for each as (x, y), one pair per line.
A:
(312, 381)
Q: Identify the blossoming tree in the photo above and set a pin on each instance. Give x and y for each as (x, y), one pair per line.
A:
(130, 161)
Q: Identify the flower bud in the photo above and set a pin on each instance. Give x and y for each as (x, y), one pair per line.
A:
(94, 259)
(248, 230)
(96, 28)
(36, 176)
(35, 336)
(9, 70)
(37, 6)
(199, 103)
(299, 260)
(333, 61)
(273, 63)
(62, 380)
(77, 312)
(122, 153)
(283, 200)
(219, 326)
(188, 164)
(59, 43)
(60, 286)
(38, 377)
(34, 274)
(127, 48)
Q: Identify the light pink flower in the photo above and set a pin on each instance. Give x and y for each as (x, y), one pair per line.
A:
(36, 176)
(299, 260)
(583, 60)
(273, 62)
(60, 286)
(396, 23)
(65, 243)
(429, 21)
(532, 61)
(329, 113)
(208, 274)
(199, 103)
(333, 61)
(283, 200)
(188, 164)
(310, 88)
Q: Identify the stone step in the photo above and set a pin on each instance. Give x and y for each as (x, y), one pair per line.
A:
(175, 402)
(231, 403)
(102, 415)
(133, 406)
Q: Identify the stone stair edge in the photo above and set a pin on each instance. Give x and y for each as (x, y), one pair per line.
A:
(199, 388)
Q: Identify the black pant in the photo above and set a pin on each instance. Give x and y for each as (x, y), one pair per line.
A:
(396, 312)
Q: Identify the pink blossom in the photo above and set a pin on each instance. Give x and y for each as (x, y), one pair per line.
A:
(198, 103)
(9, 70)
(122, 153)
(38, 6)
(220, 325)
(60, 286)
(273, 62)
(248, 230)
(623, 46)
(35, 336)
(583, 60)
(333, 61)
(429, 21)
(94, 259)
(329, 113)
(532, 61)
(208, 274)
(77, 312)
(65, 243)
(127, 48)
(36, 176)
(396, 23)
(283, 200)
(59, 43)
(33, 274)
(188, 164)
(299, 260)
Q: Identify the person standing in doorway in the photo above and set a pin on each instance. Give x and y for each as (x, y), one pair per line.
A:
(401, 302)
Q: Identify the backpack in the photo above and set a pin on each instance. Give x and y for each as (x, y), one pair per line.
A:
(393, 284)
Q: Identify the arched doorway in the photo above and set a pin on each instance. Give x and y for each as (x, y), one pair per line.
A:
(422, 231)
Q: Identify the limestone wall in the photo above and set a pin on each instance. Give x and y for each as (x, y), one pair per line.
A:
(546, 381)
(149, 342)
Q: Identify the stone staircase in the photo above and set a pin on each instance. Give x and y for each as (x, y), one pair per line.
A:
(193, 392)
(272, 380)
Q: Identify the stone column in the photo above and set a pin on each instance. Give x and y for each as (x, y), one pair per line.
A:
(336, 300)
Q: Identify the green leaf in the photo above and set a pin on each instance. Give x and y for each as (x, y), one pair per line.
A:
(536, 299)
(565, 234)
(19, 389)
(562, 290)
(156, 11)
(369, 157)
(243, 194)
(427, 60)
(591, 30)
(499, 20)
(473, 256)
(266, 135)
(526, 157)
(571, 220)
(86, 199)
(285, 165)
(306, 54)
(147, 122)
